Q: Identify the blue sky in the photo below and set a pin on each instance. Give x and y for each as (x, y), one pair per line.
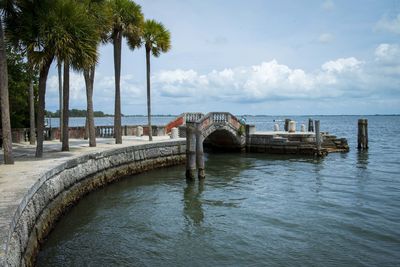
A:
(259, 57)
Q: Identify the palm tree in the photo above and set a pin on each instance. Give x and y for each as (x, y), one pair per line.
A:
(50, 28)
(75, 40)
(60, 94)
(25, 23)
(127, 22)
(32, 128)
(101, 13)
(156, 39)
(5, 110)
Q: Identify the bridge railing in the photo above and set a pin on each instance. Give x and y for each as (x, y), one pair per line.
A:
(220, 118)
(193, 116)
(104, 131)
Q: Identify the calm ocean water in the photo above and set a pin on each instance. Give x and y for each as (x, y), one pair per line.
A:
(251, 210)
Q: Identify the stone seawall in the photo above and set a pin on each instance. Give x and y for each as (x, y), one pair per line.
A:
(294, 143)
(61, 187)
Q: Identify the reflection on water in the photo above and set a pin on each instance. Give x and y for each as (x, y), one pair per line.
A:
(193, 211)
(362, 159)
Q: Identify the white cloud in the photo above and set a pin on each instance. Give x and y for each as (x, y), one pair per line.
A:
(103, 95)
(326, 38)
(388, 53)
(389, 24)
(339, 79)
(342, 65)
(328, 5)
(269, 80)
(343, 77)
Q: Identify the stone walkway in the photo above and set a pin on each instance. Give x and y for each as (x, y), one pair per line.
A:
(15, 180)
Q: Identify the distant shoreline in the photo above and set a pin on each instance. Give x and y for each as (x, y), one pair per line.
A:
(244, 115)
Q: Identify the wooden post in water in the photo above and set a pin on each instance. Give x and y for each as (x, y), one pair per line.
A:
(310, 125)
(317, 136)
(190, 151)
(362, 134)
(287, 124)
(199, 153)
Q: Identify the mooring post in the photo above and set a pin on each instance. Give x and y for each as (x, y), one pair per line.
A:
(362, 134)
(287, 124)
(317, 136)
(190, 151)
(310, 125)
(199, 153)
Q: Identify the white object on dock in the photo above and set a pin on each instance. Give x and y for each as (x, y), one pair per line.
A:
(276, 127)
(292, 126)
(303, 128)
(139, 131)
(174, 133)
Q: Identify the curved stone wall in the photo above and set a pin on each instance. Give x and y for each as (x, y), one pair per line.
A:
(61, 187)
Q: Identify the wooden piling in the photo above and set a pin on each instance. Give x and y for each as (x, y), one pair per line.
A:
(190, 151)
(287, 124)
(199, 153)
(317, 136)
(362, 134)
(310, 125)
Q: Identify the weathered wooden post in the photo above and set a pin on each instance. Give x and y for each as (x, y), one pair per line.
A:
(287, 124)
(190, 151)
(362, 134)
(310, 125)
(199, 153)
(317, 136)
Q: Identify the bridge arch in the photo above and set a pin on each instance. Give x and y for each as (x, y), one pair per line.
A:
(217, 128)
(222, 137)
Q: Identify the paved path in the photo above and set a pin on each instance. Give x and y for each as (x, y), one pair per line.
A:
(15, 180)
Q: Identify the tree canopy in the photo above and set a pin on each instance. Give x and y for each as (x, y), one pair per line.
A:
(18, 83)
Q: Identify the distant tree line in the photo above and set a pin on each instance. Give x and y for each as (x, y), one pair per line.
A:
(77, 113)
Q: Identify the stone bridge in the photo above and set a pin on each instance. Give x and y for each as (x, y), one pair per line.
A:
(220, 129)
(224, 131)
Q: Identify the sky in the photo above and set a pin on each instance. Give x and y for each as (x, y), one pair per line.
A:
(257, 57)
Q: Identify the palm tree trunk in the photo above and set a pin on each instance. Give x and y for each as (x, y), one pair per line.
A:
(65, 135)
(86, 133)
(5, 108)
(89, 81)
(32, 133)
(32, 130)
(148, 93)
(60, 96)
(117, 69)
(44, 72)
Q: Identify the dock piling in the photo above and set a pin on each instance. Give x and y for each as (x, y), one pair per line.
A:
(287, 124)
(317, 136)
(199, 153)
(190, 151)
(362, 134)
(310, 125)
